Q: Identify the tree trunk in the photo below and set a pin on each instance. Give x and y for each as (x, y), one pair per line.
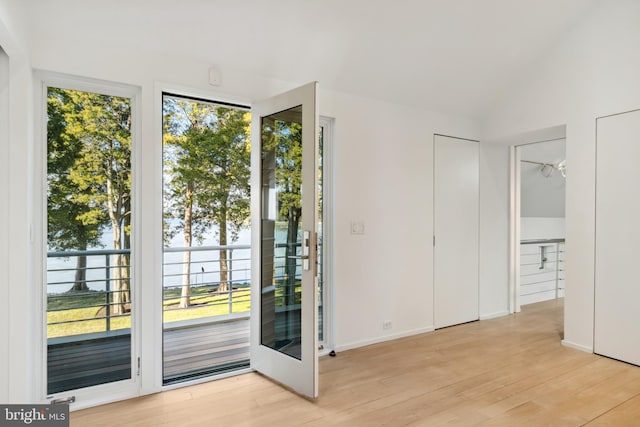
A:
(80, 283)
(120, 296)
(185, 294)
(291, 252)
(224, 266)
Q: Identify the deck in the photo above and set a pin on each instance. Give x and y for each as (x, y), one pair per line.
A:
(189, 351)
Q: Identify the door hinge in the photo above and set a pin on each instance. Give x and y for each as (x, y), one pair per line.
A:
(138, 367)
(434, 240)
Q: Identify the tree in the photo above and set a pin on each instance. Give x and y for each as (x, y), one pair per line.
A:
(207, 170)
(72, 225)
(101, 175)
(285, 140)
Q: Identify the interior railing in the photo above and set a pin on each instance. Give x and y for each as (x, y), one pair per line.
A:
(541, 269)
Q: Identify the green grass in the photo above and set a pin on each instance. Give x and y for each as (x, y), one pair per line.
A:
(83, 312)
(83, 320)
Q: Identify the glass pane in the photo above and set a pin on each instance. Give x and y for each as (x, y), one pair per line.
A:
(207, 237)
(89, 202)
(281, 232)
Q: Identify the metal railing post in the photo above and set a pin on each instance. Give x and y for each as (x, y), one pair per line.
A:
(557, 266)
(230, 280)
(107, 312)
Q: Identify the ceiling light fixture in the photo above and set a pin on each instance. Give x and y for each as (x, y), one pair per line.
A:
(547, 169)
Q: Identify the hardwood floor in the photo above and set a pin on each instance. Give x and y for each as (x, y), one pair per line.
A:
(500, 372)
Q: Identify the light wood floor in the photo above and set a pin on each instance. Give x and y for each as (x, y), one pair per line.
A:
(507, 371)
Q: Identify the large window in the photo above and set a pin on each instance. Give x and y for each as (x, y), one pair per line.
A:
(89, 229)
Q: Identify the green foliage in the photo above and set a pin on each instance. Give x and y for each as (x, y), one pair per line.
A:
(89, 178)
(285, 140)
(88, 166)
(207, 168)
(72, 224)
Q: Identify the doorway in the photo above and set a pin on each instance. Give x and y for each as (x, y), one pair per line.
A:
(208, 236)
(539, 178)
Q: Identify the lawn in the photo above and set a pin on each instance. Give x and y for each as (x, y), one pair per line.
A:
(84, 312)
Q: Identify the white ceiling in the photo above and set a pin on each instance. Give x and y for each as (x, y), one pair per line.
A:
(453, 56)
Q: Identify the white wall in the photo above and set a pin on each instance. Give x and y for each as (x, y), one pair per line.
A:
(542, 228)
(383, 177)
(4, 226)
(542, 195)
(16, 297)
(593, 72)
(494, 230)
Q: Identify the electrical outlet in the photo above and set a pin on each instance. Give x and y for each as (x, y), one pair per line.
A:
(387, 324)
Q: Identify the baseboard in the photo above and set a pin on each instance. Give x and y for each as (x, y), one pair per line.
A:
(364, 343)
(577, 346)
(494, 315)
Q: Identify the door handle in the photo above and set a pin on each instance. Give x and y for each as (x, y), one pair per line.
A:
(306, 244)
(305, 249)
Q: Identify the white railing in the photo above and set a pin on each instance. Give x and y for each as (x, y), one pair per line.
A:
(541, 270)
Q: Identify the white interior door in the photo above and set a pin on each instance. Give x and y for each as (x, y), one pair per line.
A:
(456, 230)
(617, 299)
(284, 200)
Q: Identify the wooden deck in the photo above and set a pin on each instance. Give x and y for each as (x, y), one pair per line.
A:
(197, 350)
(189, 351)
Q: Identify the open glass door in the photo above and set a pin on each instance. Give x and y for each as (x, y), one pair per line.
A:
(284, 165)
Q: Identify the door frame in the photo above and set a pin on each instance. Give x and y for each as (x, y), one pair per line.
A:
(543, 135)
(327, 344)
(118, 390)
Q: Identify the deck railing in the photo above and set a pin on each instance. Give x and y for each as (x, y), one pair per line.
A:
(92, 307)
(82, 287)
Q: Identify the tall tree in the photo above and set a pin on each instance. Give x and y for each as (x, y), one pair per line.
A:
(207, 169)
(72, 225)
(102, 174)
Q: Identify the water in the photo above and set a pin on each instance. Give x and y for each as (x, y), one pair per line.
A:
(205, 265)
(61, 280)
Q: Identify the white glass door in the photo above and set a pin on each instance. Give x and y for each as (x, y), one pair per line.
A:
(284, 206)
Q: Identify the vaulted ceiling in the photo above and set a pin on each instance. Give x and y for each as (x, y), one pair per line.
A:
(453, 56)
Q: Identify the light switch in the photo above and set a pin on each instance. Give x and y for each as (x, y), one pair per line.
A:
(357, 227)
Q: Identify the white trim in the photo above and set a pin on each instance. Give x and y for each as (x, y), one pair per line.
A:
(156, 376)
(20, 232)
(198, 94)
(494, 315)
(575, 346)
(514, 229)
(4, 224)
(97, 395)
(207, 379)
(328, 201)
(364, 343)
(119, 390)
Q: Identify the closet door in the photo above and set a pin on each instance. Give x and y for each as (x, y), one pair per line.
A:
(456, 230)
(617, 288)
